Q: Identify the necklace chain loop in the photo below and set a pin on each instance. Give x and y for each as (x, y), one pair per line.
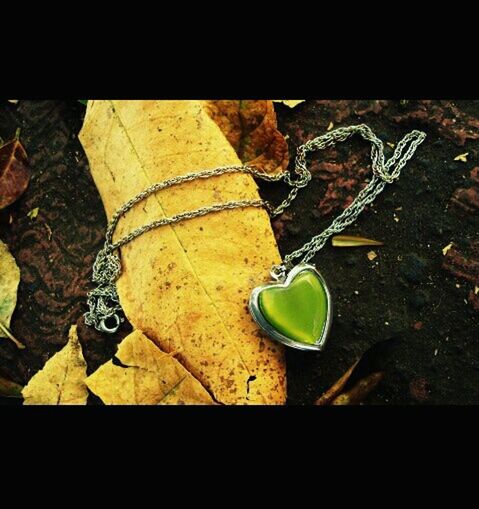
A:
(103, 301)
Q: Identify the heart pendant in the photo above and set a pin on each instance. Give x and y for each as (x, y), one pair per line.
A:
(296, 311)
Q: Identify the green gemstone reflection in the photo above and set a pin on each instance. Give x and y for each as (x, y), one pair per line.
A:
(298, 311)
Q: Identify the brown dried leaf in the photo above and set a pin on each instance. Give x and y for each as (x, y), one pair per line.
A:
(352, 241)
(62, 379)
(360, 391)
(361, 378)
(336, 389)
(14, 172)
(180, 285)
(251, 128)
(142, 374)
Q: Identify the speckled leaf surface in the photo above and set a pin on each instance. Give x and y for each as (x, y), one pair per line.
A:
(62, 379)
(141, 374)
(183, 287)
(9, 279)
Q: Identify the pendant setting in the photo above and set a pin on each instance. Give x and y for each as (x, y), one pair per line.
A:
(295, 310)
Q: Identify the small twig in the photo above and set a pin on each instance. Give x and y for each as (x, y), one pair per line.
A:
(10, 336)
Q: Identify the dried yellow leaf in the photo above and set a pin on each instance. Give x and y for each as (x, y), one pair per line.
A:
(462, 157)
(62, 379)
(353, 241)
(33, 213)
(330, 126)
(289, 102)
(372, 255)
(389, 144)
(446, 249)
(187, 285)
(145, 375)
(9, 279)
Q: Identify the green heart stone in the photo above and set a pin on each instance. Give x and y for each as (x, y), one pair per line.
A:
(299, 311)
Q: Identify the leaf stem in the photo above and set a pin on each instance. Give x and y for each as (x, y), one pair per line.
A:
(10, 336)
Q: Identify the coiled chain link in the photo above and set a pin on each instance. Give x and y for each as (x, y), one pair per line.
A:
(103, 301)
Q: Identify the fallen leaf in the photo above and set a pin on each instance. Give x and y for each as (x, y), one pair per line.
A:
(13, 101)
(372, 255)
(49, 231)
(336, 389)
(419, 389)
(360, 391)
(33, 213)
(289, 102)
(362, 377)
(352, 241)
(476, 290)
(251, 128)
(9, 389)
(142, 374)
(9, 279)
(446, 249)
(462, 157)
(330, 126)
(466, 197)
(14, 172)
(187, 285)
(62, 379)
(389, 144)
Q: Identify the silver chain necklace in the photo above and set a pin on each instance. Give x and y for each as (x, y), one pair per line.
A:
(295, 308)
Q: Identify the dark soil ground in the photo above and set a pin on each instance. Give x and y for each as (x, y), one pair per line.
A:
(412, 309)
